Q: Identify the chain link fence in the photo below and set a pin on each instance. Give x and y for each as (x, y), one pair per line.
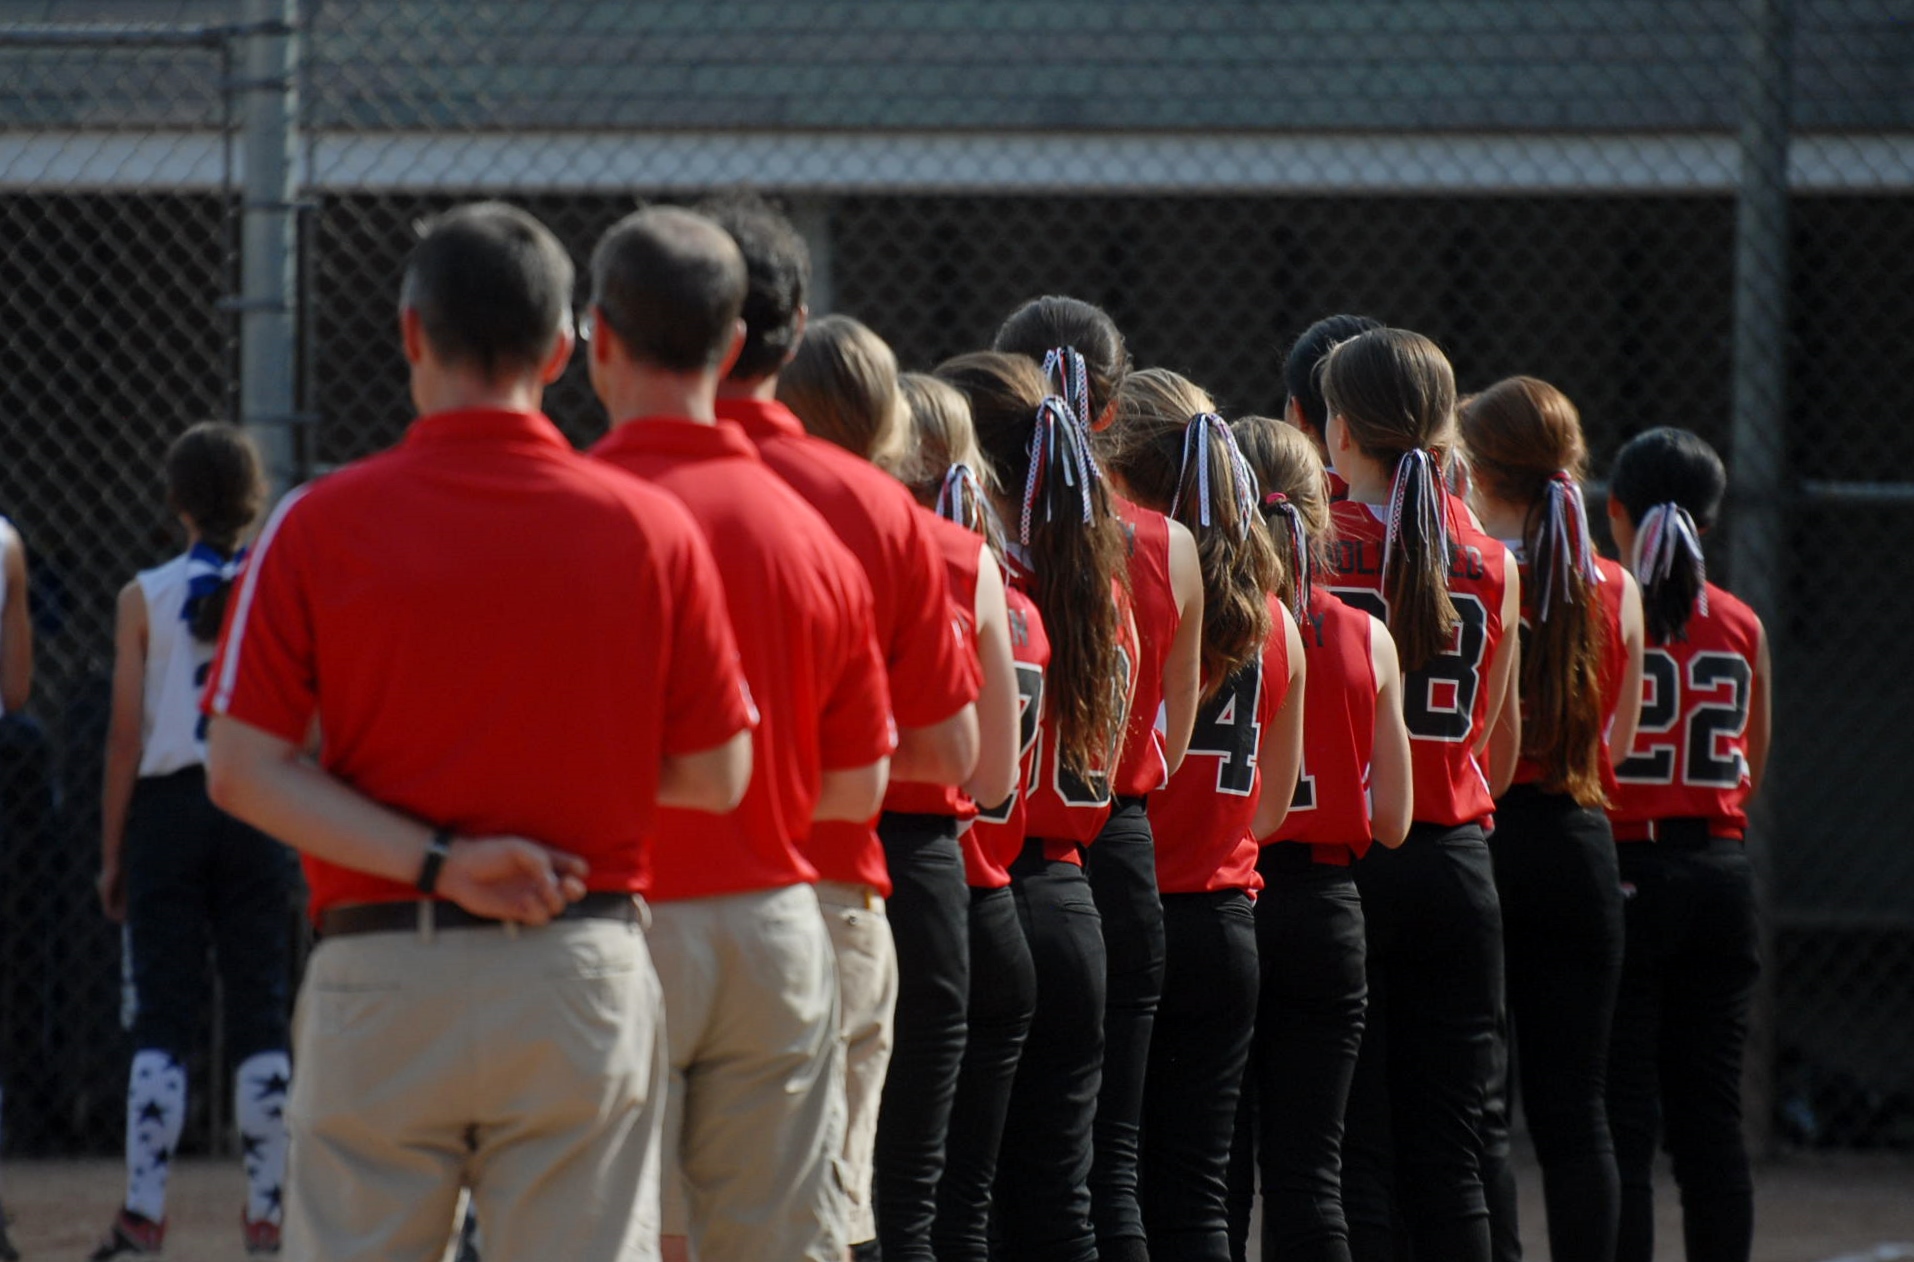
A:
(1697, 214)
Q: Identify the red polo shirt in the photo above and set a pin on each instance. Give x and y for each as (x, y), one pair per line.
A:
(931, 676)
(496, 634)
(801, 607)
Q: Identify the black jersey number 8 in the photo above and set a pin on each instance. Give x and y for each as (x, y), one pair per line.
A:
(1438, 701)
(1709, 724)
(1227, 729)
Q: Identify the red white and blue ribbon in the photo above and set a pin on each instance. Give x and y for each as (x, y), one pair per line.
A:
(1667, 535)
(1069, 376)
(961, 498)
(1059, 448)
(1242, 489)
(1432, 515)
(1567, 519)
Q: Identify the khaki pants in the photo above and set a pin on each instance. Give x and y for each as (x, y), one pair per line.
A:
(525, 1063)
(754, 1116)
(867, 1000)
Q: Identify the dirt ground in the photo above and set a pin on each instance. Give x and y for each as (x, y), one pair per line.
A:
(1808, 1209)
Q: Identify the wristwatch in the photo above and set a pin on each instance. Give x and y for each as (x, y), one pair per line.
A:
(435, 852)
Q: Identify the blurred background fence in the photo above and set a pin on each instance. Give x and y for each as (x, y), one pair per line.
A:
(1698, 214)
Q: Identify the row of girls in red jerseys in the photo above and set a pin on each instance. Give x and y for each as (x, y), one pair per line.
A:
(1242, 655)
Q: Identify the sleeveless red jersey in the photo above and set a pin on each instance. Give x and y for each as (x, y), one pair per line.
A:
(1143, 768)
(1690, 757)
(1331, 804)
(1201, 820)
(995, 837)
(1446, 703)
(1614, 662)
(961, 550)
(1066, 810)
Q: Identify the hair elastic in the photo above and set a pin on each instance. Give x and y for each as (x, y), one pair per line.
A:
(206, 572)
(1667, 535)
(1064, 368)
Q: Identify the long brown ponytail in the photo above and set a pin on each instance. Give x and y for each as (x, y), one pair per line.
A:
(1295, 502)
(1060, 518)
(1395, 391)
(1178, 457)
(1525, 447)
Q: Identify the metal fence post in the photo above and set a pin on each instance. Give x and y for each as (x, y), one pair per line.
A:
(1758, 546)
(267, 337)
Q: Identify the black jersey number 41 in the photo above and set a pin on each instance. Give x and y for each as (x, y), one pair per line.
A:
(1227, 729)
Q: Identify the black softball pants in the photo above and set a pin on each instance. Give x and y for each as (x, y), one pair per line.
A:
(194, 876)
(1121, 867)
(1309, 1022)
(1197, 1057)
(1003, 999)
(1561, 894)
(1414, 1141)
(1042, 1195)
(1681, 1026)
(929, 913)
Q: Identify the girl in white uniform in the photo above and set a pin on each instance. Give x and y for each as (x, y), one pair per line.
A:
(179, 872)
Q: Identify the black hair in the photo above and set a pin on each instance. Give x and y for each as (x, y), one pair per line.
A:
(492, 287)
(779, 266)
(670, 284)
(213, 476)
(1302, 370)
(1667, 466)
(1052, 322)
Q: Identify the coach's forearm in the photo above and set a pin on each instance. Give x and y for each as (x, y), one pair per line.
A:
(258, 778)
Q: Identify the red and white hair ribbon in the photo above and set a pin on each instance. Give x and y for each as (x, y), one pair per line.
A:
(1566, 516)
(1668, 535)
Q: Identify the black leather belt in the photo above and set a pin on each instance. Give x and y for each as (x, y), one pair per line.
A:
(412, 917)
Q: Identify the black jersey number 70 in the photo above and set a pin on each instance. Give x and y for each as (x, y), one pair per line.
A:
(1438, 701)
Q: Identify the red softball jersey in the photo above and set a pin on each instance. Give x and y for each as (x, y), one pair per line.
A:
(1068, 810)
(1330, 808)
(1614, 663)
(962, 552)
(995, 837)
(931, 671)
(1201, 820)
(1143, 768)
(801, 608)
(497, 635)
(1445, 704)
(1690, 758)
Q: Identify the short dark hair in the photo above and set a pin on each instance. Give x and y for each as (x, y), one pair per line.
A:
(492, 286)
(1041, 325)
(1302, 371)
(669, 283)
(779, 265)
